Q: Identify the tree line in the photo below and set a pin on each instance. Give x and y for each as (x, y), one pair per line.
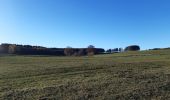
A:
(68, 51)
(128, 48)
(39, 50)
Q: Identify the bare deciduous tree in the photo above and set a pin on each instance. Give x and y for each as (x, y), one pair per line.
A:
(91, 50)
(69, 51)
(12, 49)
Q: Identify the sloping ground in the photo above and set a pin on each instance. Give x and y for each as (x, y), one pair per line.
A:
(126, 76)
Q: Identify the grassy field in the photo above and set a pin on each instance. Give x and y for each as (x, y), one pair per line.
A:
(141, 75)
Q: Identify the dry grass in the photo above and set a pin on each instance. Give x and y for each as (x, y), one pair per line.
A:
(126, 76)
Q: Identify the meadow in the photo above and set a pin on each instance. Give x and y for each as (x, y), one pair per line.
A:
(143, 75)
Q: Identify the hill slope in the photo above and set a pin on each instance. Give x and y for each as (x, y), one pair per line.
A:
(123, 76)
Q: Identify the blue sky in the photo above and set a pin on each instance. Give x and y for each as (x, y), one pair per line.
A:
(79, 23)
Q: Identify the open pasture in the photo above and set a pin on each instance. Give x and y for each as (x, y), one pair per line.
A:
(122, 76)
